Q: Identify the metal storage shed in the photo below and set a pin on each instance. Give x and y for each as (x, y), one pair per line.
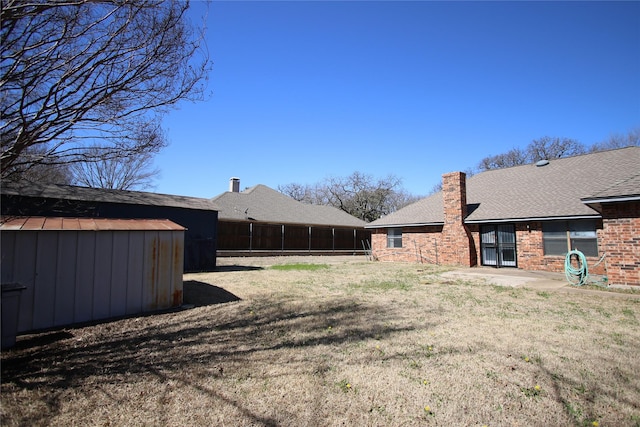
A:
(197, 215)
(85, 269)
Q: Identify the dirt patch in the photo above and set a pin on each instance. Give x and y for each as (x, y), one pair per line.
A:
(358, 343)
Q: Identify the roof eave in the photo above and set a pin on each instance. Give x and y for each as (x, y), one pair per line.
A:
(614, 199)
(415, 224)
(528, 219)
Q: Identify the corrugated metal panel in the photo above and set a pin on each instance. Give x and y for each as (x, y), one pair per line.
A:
(77, 274)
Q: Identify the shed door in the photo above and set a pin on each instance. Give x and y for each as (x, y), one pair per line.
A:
(498, 245)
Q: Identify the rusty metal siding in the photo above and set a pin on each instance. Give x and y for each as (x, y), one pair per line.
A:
(78, 275)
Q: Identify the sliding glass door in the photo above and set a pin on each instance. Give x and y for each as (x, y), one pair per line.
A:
(498, 245)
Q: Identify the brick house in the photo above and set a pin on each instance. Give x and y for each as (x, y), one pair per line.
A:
(526, 217)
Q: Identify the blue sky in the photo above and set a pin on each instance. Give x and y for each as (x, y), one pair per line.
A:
(301, 91)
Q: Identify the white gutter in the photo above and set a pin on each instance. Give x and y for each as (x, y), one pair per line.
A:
(417, 224)
(546, 218)
(611, 199)
(487, 221)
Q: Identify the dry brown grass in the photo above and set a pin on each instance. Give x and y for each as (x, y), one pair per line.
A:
(364, 344)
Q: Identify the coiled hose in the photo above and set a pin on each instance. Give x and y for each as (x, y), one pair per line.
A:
(576, 276)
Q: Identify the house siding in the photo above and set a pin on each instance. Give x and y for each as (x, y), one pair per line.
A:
(621, 242)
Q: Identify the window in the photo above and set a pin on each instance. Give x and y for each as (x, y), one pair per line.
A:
(394, 238)
(559, 237)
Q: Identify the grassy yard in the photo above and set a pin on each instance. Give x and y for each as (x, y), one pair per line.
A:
(338, 343)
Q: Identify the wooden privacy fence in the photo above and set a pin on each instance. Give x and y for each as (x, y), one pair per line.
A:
(248, 236)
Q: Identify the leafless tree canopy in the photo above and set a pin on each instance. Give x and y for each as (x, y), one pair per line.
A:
(553, 148)
(125, 173)
(632, 138)
(538, 149)
(358, 194)
(81, 79)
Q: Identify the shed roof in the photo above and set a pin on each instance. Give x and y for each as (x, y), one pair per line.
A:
(527, 192)
(85, 224)
(71, 192)
(261, 203)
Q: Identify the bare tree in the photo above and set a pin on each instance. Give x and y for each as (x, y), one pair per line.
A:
(32, 170)
(538, 149)
(513, 157)
(632, 138)
(358, 194)
(300, 192)
(81, 77)
(547, 148)
(128, 173)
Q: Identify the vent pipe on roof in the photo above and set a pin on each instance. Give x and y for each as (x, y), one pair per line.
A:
(234, 185)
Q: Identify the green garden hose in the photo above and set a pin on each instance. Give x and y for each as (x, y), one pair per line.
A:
(576, 276)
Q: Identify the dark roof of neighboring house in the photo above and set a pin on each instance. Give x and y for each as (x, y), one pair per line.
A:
(263, 204)
(71, 192)
(528, 192)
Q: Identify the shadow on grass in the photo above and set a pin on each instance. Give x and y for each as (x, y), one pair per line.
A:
(167, 346)
(200, 294)
(232, 268)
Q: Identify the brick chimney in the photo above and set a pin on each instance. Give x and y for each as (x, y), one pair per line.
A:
(457, 246)
(234, 185)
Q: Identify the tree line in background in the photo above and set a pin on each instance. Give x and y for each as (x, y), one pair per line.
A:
(548, 148)
(369, 199)
(358, 194)
(85, 84)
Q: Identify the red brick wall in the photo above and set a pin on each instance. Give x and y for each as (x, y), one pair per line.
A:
(424, 244)
(621, 242)
(419, 244)
(531, 255)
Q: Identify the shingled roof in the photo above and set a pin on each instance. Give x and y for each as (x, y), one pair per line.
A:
(261, 203)
(71, 192)
(553, 191)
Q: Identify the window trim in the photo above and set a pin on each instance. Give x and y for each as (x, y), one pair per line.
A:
(394, 236)
(567, 231)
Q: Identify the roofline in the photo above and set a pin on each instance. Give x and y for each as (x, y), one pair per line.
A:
(593, 200)
(417, 224)
(491, 221)
(275, 222)
(541, 218)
